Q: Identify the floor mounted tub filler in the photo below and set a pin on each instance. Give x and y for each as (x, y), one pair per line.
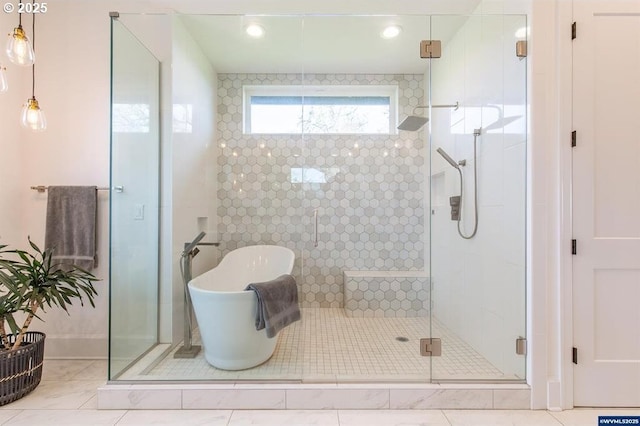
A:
(226, 313)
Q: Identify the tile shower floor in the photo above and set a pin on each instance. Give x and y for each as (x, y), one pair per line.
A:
(328, 346)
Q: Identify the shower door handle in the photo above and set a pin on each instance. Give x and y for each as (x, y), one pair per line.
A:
(315, 227)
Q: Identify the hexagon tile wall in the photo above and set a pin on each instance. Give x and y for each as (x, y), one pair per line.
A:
(371, 210)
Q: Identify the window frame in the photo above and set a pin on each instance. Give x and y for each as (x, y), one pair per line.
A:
(380, 90)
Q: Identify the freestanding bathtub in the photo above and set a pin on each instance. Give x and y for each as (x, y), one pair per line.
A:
(226, 313)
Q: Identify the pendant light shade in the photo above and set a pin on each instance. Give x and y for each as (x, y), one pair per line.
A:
(4, 84)
(19, 48)
(33, 117)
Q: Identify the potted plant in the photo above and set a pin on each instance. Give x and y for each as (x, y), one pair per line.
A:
(30, 282)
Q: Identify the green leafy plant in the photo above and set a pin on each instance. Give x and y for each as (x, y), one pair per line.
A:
(32, 282)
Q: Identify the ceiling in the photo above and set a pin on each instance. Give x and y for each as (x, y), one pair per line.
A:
(318, 44)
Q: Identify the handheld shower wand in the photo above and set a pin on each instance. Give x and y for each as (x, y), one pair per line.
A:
(455, 165)
(449, 159)
(190, 246)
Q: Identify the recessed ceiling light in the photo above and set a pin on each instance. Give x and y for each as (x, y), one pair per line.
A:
(391, 31)
(254, 30)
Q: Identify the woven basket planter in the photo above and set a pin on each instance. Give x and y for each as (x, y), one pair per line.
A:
(21, 369)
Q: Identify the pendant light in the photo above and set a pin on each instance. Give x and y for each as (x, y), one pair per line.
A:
(32, 116)
(4, 84)
(19, 48)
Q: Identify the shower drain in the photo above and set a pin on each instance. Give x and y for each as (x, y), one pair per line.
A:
(402, 339)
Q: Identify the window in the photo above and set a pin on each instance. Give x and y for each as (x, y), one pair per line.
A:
(320, 109)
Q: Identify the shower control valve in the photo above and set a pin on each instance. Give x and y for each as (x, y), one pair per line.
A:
(454, 202)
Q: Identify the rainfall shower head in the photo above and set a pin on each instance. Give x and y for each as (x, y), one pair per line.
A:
(413, 123)
(449, 159)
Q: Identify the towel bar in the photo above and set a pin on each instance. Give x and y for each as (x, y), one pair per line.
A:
(42, 188)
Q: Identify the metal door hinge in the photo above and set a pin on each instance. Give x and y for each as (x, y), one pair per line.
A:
(574, 247)
(431, 347)
(430, 49)
(521, 346)
(574, 31)
(574, 138)
(521, 48)
(574, 355)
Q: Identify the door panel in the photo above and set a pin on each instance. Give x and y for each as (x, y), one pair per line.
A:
(606, 201)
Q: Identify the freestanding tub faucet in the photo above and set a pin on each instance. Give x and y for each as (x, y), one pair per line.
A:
(188, 350)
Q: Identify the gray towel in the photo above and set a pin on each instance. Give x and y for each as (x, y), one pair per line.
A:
(71, 225)
(277, 304)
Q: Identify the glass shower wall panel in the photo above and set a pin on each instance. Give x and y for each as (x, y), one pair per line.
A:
(134, 208)
(366, 193)
(479, 282)
(259, 151)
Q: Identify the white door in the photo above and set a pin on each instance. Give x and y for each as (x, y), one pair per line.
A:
(606, 203)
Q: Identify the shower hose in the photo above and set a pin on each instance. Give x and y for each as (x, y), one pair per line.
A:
(476, 133)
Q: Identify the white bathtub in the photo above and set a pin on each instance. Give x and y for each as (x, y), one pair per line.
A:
(226, 313)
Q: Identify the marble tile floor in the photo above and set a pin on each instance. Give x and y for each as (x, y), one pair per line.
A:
(67, 396)
(328, 346)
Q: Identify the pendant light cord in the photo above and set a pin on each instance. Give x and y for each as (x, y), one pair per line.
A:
(20, 15)
(33, 45)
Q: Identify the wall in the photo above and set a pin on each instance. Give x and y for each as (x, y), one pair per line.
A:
(12, 148)
(371, 209)
(74, 150)
(479, 284)
(549, 207)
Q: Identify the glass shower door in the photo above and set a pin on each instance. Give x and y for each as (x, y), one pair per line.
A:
(365, 198)
(134, 208)
(478, 277)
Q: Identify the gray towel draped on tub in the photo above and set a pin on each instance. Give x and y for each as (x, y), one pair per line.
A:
(71, 225)
(277, 303)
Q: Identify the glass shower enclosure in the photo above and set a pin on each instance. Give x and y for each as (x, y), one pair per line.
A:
(292, 139)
